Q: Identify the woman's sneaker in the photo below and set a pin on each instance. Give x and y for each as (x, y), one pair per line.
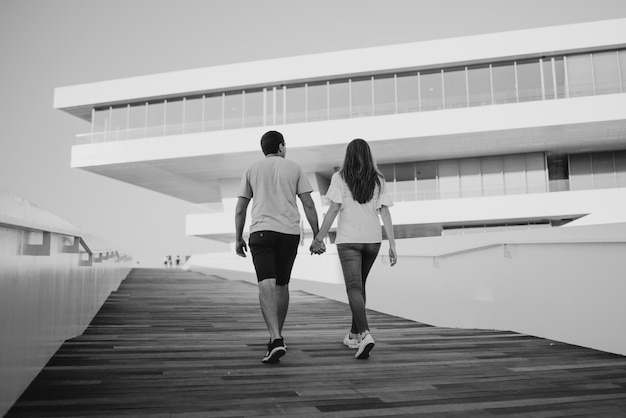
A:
(350, 342)
(275, 350)
(364, 347)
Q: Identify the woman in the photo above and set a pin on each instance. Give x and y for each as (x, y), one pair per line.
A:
(357, 195)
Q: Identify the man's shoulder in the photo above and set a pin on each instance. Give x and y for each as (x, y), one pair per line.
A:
(286, 164)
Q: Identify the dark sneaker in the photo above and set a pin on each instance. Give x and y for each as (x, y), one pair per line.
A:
(275, 350)
(364, 347)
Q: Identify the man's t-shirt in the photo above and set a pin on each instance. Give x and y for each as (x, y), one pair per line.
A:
(357, 223)
(273, 184)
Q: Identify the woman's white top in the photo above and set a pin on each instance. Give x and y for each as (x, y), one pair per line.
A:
(357, 223)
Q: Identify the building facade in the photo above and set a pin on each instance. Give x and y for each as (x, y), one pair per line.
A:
(522, 129)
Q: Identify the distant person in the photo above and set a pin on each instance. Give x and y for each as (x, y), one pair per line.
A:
(165, 261)
(273, 184)
(169, 260)
(177, 261)
(357, 195)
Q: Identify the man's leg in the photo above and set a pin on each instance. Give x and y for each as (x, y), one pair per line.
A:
(269, 295)
(282, 305)
(268, 299)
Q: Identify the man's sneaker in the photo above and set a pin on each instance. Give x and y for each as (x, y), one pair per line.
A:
(364, 347)
(275, 350)
(350, 342)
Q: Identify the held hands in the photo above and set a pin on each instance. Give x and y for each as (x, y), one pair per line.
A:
(393, 257)
(241, 248)
(317, 247)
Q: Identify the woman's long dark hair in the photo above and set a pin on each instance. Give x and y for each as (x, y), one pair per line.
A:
(359, 171)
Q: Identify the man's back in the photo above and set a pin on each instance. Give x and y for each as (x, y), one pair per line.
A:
(273, 184)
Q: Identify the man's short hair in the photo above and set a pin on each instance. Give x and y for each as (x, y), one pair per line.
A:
(270, 142)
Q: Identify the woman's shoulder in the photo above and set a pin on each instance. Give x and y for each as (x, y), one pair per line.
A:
(336, 178)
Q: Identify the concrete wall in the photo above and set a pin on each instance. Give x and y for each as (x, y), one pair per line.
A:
(46, 296)
(564, 284)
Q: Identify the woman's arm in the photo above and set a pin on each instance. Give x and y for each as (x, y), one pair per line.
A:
(318, 241)
(388, 225)
(328, 220)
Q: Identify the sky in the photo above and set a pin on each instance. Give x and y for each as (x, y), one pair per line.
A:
(46, 44)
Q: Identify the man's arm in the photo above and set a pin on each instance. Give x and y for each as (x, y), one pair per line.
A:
(309, 210)
(240, 221)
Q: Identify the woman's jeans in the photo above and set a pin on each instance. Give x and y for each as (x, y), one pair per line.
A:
(356, 263)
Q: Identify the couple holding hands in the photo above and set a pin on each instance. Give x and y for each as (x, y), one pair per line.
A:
(356, 195)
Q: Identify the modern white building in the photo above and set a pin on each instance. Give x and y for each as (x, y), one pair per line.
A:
(507, 131)
(524, 127)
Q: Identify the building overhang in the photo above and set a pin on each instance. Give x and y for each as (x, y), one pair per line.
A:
(190, 167)
(79, 100)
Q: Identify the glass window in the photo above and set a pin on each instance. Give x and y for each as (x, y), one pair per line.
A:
(269, 106)
(579, 75)
(449, 187)
(408, 93)
(280, 104)
(503, 83)
(558, 173)
(454, 87)
(529, 81)
(559, 73)
(339, 99)
(295, 104)
(580, 174)
(469, 170)
(100, 121)
(405, 171)
(431, 95)
(514, 175)
(119, 123)
(193, 114)
(213, 109)
(253, 108)
(137, 121)
(603, 170)
(233, 110)
(535, 165)
(361, 90)
(548, 79)
(405, 181)
(620, 168)
(317, 102)
(493, 176)
(405, 191)
(622, 68)
(387, 170)
(384, 95)
(606, 72)
(479, 86)
(174, 117)
(426, 175)
(156, 119)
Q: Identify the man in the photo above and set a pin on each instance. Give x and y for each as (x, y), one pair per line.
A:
(273, 184)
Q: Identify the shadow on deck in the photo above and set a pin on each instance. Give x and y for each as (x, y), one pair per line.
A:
(173, 343)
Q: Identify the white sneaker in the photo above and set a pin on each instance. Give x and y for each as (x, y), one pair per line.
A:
(364, 347)
(350, 342)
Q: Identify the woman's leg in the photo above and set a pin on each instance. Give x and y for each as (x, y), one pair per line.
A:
(368, 256)
(351, 264)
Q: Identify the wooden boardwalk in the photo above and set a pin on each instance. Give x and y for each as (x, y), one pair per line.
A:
(175, 344)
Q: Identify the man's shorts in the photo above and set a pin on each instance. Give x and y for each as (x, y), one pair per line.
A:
(273, 255)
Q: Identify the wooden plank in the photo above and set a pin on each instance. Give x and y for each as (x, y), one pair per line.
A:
(173, 343)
